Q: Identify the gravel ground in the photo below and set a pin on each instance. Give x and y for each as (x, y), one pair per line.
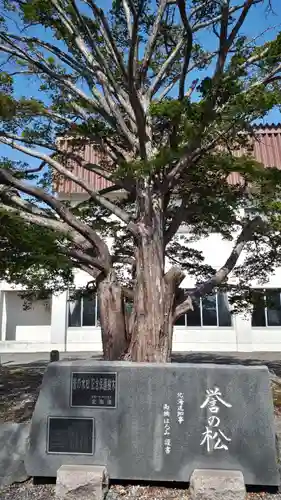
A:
(29, 491)
(19, 388)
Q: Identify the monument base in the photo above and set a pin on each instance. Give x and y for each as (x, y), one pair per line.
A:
(154, 422)
(217, 485)
(82, 482)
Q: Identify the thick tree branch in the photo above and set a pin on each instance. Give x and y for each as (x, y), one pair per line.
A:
(224, 45)
(152, 39)
(121, 214)
(31, 214)
(126, 184)
(216, 19)
(98, 104)
(33, 218)
(183, 308)
(108, 38)
(9, 195)
(63, 212)
(169, 61)
(188, 48)
(220, 276)
(115, 110)
(84, 258)
(247, 5)
(128, 17)
(175, 276)
(175, 224)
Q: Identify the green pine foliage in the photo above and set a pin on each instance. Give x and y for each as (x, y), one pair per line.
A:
(71, 69)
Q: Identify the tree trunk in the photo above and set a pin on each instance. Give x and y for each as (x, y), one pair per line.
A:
(151, 325)
(112, 317)
(147, 334)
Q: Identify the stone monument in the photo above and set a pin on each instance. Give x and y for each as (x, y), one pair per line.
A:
(154, 421)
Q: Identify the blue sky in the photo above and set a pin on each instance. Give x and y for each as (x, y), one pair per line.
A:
(257, 23)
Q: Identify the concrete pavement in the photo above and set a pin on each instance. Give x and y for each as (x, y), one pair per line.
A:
(41, 357)
(188, 357)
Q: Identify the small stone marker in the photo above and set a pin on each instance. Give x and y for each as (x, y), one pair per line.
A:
(81, 482)
(154, 422)
(54, 356)
(13, 445)
(217, 485)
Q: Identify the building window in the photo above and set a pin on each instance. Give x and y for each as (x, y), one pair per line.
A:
(83, 312)
(212, 310)
(266, 308)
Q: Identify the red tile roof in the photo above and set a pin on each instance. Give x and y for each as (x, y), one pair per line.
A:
(266, 150)
(88, 154)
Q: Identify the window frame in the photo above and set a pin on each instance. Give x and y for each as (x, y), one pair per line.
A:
(265, 308)
(81, 299)
(212, 327)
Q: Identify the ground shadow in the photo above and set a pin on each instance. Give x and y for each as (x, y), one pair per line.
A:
(274, 365)
(19, 389)
(20, 385)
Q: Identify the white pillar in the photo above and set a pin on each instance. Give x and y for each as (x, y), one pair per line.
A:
(243, 330)
(3, 315)
(58, 321)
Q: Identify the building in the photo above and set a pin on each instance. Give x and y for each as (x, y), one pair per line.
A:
(61, 324)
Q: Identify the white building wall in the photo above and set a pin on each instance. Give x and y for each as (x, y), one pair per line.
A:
(40, 329)
(23, 329)
(21, 321)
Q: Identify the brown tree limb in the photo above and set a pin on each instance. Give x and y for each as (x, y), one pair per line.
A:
(216, 19)
(223, 46)
(183, 308)
(188, 48)
(175, 223)
(34, 215)
(164, 67)
(98, 104)
(174, 275)
(126, 184)
(220, 276)
(245, 236)
(247, 5)
(108, 38)
(85, 258)
(152, 39)
(101, 200)
(63, 212)
(33, 218)
(9, 194)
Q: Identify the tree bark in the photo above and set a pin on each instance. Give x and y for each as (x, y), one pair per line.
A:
(151, 324)
(152, 321)
(147, 334)
(112, 318)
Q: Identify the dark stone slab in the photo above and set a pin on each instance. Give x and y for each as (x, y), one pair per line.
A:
(156, 422)
(13, 444)
(70, 435)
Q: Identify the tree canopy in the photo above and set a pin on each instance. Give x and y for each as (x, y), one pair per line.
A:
(166, 93)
